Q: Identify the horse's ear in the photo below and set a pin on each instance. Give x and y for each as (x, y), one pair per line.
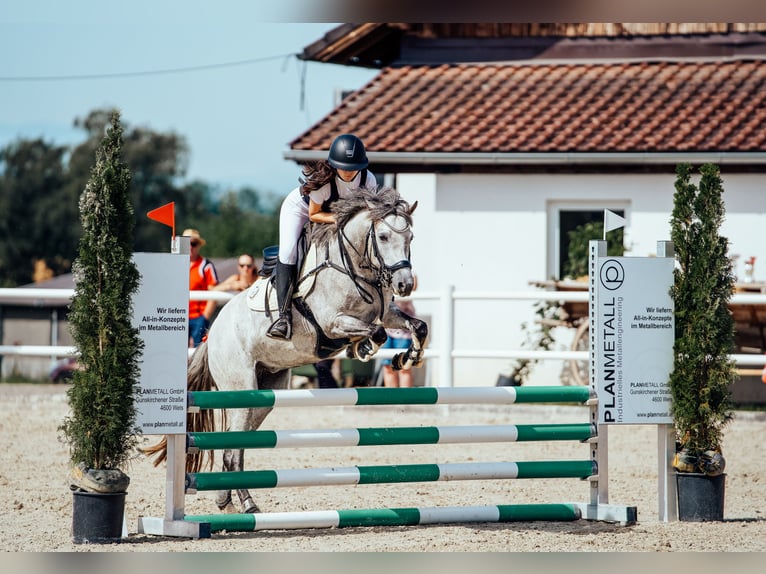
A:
(413, 207)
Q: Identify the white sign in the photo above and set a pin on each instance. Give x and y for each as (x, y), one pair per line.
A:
(632, 343)
(161, 315)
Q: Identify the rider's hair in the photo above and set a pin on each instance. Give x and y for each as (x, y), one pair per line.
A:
(316, 175)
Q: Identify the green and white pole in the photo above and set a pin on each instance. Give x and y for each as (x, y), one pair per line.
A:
(386, 436)
(368, 396)
(387, 517)
(382, 474)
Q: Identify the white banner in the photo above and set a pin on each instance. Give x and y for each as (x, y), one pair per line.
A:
(632, 344)
(161, 314)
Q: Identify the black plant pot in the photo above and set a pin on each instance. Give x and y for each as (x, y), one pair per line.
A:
(700, 497)
(506, 381)
(97, 518)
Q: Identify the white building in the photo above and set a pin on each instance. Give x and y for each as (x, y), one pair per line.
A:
(508, 135)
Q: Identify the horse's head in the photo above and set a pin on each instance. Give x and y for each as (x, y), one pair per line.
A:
(376, 227)
(390, 248)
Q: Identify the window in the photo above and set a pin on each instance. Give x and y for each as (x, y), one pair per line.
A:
(566, 217)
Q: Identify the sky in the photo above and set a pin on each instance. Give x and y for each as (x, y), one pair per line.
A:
(222, 74)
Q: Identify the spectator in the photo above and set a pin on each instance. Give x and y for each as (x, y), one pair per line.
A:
(202, 277)
(247, 275)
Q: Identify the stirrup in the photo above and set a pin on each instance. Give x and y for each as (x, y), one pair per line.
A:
(281, 328)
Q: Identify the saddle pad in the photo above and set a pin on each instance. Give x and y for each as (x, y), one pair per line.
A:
(257, 293)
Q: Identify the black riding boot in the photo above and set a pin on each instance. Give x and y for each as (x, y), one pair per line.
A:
(282, 328)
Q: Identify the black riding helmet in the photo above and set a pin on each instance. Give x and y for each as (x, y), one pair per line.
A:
(347, 152)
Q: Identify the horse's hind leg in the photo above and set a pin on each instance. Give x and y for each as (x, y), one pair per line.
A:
(223, 497)
(234, 460)
(254, 419)
(246, 420)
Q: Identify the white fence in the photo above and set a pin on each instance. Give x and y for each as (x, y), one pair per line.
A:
(441, 347)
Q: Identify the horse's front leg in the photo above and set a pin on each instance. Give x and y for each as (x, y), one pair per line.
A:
(367, 338)
(413, 356)
(395, 318)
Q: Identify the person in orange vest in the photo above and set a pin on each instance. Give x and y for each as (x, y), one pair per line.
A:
(202, 277)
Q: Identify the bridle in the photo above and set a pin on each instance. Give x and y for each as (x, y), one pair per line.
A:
(372, 274)
(372, 253)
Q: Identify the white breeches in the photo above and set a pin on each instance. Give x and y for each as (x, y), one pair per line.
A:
(293, 215)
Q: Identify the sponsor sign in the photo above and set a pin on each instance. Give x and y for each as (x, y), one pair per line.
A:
(161, 315)
(632, 335)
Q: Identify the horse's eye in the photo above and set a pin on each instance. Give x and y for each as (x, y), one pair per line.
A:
(384, 237)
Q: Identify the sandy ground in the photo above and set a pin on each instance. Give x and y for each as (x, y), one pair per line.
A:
(37, 505)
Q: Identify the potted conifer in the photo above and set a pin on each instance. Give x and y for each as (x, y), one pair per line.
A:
(101, 427)
(702, 370)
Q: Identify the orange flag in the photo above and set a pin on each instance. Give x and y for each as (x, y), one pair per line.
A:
(165, 215)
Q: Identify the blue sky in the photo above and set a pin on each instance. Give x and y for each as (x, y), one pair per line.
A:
(237, 119)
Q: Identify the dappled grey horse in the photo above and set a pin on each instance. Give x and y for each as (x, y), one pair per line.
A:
(343, 301)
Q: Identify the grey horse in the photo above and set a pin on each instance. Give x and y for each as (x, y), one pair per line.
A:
(343, 302)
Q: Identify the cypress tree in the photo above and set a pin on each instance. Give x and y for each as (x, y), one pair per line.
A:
(703, 286)
(101, 428)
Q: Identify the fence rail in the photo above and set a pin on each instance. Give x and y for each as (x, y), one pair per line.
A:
(442, 348)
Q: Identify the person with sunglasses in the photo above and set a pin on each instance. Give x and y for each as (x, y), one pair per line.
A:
(340, 175)
(202, 277)
(247, 275)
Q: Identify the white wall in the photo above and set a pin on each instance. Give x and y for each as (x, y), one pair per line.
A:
(491, 233)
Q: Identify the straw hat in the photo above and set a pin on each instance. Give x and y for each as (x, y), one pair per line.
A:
(194, 234)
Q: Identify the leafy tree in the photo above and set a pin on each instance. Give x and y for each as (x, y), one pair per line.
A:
(156, 162)
(40, 184)
(234, 227)
(101, 429)
(35, 223)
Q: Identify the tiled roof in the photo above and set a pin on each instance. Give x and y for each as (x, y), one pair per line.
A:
(601, 107)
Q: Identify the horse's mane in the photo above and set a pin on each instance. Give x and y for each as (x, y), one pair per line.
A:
(380, 202)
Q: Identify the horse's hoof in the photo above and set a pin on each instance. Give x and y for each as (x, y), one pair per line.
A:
(249, 507)
(363, 350)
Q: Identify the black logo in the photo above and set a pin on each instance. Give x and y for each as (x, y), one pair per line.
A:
(611, 274)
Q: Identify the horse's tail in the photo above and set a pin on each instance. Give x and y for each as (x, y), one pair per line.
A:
(198, 378)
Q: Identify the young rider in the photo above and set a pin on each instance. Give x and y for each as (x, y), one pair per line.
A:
(344, 172)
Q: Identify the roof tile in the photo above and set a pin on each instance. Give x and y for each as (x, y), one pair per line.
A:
(562, 107)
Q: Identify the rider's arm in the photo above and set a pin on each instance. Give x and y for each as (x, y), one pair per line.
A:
(317, 215)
